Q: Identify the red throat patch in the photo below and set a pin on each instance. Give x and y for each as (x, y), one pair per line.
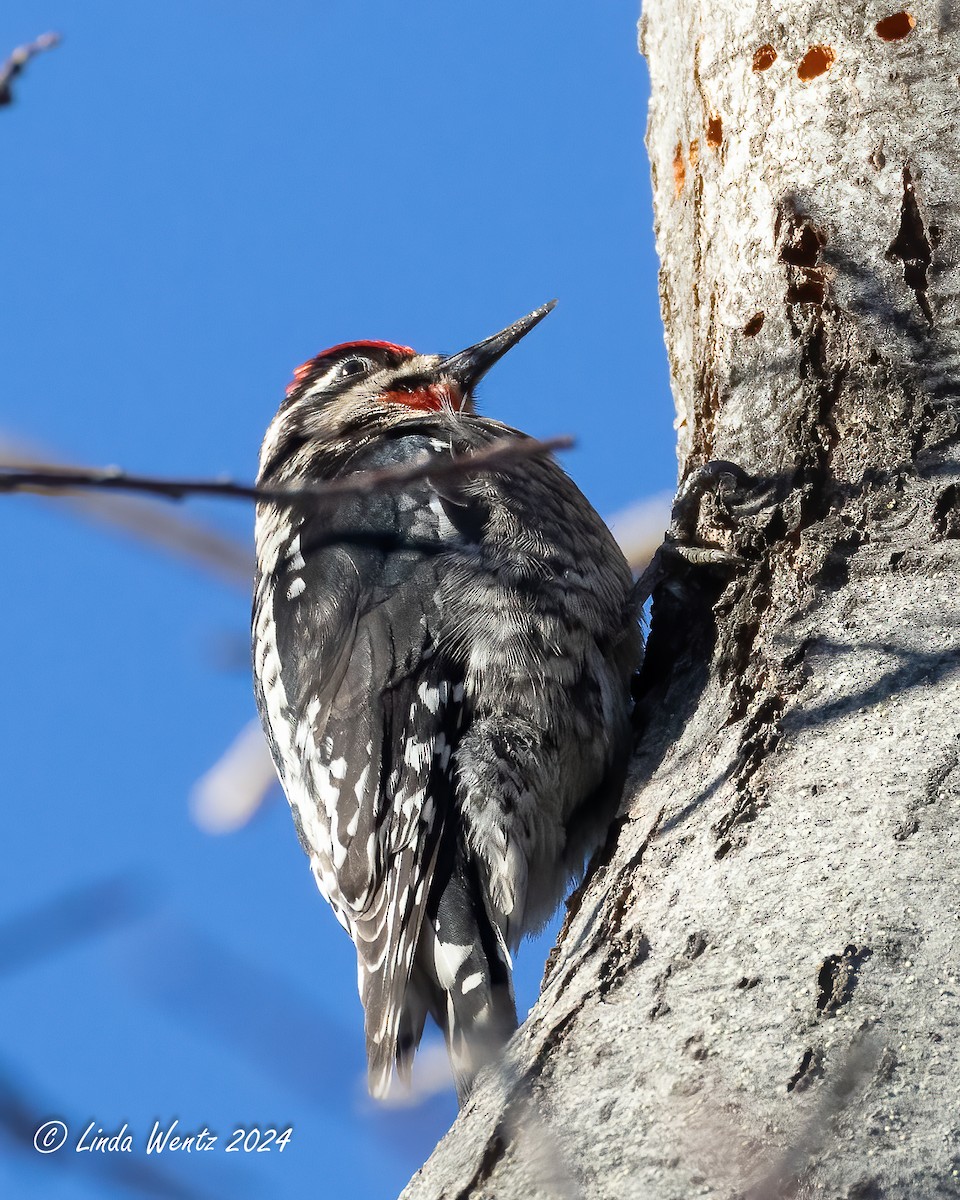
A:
(431, 398)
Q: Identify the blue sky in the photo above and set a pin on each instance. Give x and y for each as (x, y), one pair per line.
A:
(196, 197)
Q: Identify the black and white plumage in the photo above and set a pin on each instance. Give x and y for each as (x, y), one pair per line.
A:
(445, 690)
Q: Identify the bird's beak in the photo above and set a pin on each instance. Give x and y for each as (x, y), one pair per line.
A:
(470, 365)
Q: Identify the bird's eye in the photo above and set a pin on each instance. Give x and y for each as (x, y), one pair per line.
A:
(353, 366)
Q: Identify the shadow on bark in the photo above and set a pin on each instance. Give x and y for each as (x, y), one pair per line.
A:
(916, 668)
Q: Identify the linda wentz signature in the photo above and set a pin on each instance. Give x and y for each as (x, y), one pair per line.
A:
(169, 1139)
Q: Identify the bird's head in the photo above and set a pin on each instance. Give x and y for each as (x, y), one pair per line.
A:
(364, 385)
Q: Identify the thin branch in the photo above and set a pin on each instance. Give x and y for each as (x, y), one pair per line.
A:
(82, 912)
(68, 479)
(19, 59)
(144, 518)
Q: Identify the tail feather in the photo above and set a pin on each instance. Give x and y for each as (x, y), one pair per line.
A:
(460, 975)
(466, 955)
(412, 1020)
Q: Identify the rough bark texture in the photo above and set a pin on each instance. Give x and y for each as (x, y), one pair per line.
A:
(756, 990)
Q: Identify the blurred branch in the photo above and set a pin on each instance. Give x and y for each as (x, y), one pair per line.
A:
(240, 1003)
(145, 519)
(640, 528)
(49, 479)
(19, 59)
(72, 916)
(22, 1114)
(230, 793)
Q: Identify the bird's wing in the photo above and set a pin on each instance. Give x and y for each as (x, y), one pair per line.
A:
(372, 714)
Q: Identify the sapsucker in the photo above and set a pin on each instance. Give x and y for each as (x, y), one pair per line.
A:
(443, 673)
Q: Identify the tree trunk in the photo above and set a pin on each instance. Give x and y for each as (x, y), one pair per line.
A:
(755, 992)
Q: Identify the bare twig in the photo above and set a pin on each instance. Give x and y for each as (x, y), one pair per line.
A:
(46, 479)
(19, 59)
(81, 912)
(144, 518)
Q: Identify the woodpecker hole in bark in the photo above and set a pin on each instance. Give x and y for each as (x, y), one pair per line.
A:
(810, 1068)
(801, 248)
(895, 27)
(912, 247)
(754, 325)
(714, 131)
(810, 289)
(696, 944)
(679, 169)
(946, 513)
(817, 61)
(837, 978)
(764, 58)
(695, 1048)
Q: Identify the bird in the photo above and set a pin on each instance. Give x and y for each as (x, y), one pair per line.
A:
(443, 673)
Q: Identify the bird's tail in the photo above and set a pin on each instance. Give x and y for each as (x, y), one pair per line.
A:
(464, 978)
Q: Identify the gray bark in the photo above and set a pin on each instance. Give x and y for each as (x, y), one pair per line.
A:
(756, 989)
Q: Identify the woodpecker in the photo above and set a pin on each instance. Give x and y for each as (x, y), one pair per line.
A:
(443, 674)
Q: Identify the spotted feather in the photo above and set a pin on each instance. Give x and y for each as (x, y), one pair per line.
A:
(444, 677)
